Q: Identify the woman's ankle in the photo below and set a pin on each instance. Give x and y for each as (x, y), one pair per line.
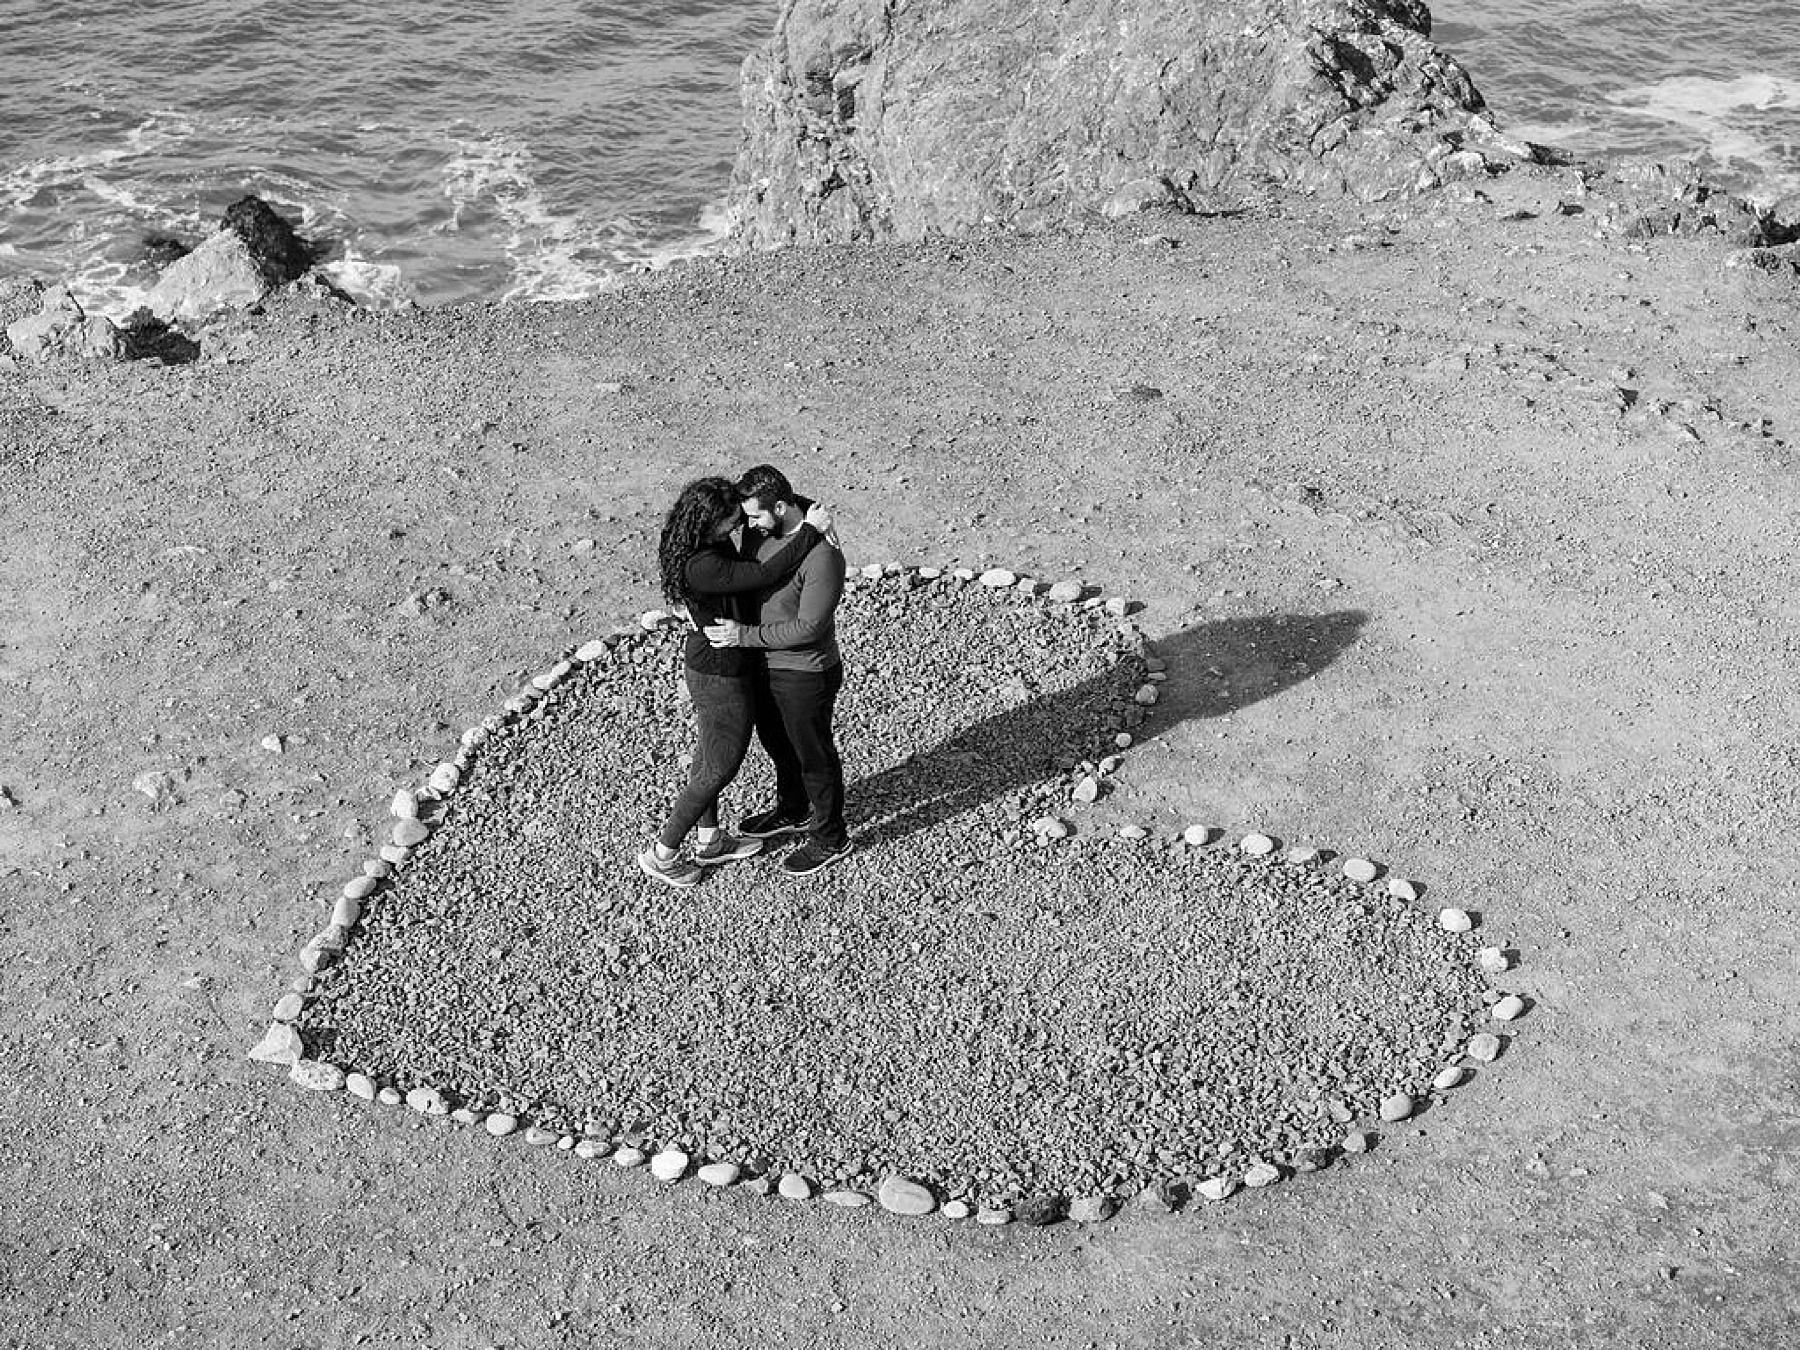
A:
(663, 852)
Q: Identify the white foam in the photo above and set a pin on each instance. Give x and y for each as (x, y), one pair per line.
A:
(1731, 116)
(377, 284)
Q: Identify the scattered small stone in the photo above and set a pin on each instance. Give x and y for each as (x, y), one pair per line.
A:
(345, 913)
(1133, 832)
(1312, 1159)
(444, 779)
(360, 1085)
(316, 1075)
(288, 1007)
(719, 1173)
(1260, 1174)
(998, 578)
(993, 1217)
(405, 806)
(1197, 835)
(628, 1156)
(1484, 1046)
(1494, 960)
(930, 573)
(359, 887)
(669, 1165)
(1216, 1188)
(592, 1148)
(591, 651)
(903, 1195)
(1123, 740)
(1360, 869)
(394, 854)
(462, 1115)
(1447, 1077)
(1402, 889)
(1087, 790)
(1147, 694)
(389, 1097)
(1257, 845)
(1040, 1211)
(280, 1045)
(1049, 827)
(1152, 1200)
(793, 1186)
(275, 745)
(1508, 1009)
(1396, 1106)
(1355, 1142)
(845, 1199)
(410, 834)
(1303, 855)
(1066, 592)
(1455, 920)
(1118, 606)
(501, 1123)
(957, 1209)
(428, 1102)
(1092, 1208)
(757, 1185)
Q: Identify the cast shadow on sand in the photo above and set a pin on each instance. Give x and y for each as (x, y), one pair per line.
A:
(1214, 669)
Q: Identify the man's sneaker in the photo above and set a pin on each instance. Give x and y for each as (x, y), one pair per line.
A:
(726, 848)
(810, 858)
(677, 871)
(771, 824)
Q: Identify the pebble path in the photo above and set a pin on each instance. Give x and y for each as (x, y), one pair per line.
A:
(1011, 1019)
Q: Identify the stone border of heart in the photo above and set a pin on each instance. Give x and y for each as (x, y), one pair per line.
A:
(415, 808)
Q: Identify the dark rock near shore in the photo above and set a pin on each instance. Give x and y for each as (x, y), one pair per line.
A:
(254, 252)
(863, 120)
(280, 254)
(160, 250)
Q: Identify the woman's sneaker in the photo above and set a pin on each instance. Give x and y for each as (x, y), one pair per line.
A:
(677, 871)
(726, 848)
(772, 824)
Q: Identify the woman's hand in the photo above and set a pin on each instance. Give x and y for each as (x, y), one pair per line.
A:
(819, 518)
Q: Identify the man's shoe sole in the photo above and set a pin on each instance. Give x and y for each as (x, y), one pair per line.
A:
(819, 866)
(678, 883)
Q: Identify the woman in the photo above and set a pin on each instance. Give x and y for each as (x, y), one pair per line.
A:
(701, 572)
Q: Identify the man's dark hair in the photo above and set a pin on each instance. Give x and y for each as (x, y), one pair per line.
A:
(767, 484)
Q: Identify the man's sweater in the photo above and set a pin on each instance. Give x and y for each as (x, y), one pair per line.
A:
(794, 622)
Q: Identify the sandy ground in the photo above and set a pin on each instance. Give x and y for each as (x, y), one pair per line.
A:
(1564, 698)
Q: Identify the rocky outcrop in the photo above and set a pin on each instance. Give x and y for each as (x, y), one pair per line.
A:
(253, 252)
(61, 329)
(867, 119)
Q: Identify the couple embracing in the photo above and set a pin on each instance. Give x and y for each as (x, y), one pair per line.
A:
(759, 573)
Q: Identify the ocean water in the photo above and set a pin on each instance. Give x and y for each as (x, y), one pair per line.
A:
(539, 151)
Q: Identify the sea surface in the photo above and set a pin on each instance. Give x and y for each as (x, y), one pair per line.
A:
(539, 151)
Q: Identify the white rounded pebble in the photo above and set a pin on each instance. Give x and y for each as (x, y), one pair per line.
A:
(405, 806)
(1066, 592)
(1508, 1009)
(1215, 1188)
(1197, 834)
(389, 1097)
(280, 1045)
(407, 833)
(566, 1143)
(1359, 869)
(1123, 740)
(288, 1007)
(1147, 694)
(997, 577)
(1494, 960)
(1356, 1142)
(719, 1173)
(793, 1186)
(903, 1195)
(963, 573)
(428, 1102)
(1447, 1077)
(1484, 1046)
(501, 1123)
(592, 1148)
(358, 887)
(316, 1075)
(538, 1137)
(956, 1209)
(1262, 1174)
(651, 619)
(378, 867)
(1087, 790)
(463, 1116)
(345, 913)
(993, 1218)
(590, 651)
(845, 1199)
(1133, 832)
(1029, 585)
(360, 1085)
(1455, 920)
(629, 1157)
(551, 677)
(930, 573)
(669, 1165)
(1402, 889)
(444, 779)
(1049, 827)
(871, 571)
(1257, 845)
(1397, 1106)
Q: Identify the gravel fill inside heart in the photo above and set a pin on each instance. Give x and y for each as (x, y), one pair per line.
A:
(957, 1000)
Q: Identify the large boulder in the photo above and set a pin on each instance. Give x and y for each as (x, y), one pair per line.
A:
(253, 252)
(61, 329)
(867, 119)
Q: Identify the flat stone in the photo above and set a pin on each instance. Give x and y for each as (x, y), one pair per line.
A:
(793, 1186)
(359, 887)
(1494, 960)
(360, 1085)
(719, 1173)
(1256, 845)
(1261, 1174)
(998, 578)
(629, 1157)
(993, 1218)
(1396, 1106)
(552, 677)
(1040, 1211)
(1355, 1142)
(1508, 1009)
(1402, 889)
(592, 1148)
(1147, 694)
(1049, 827)
(428, 1102)
(317, 1076)
(389, 1097)
(1448, 1077)
(539, 1137)
(930, 573)
(1066, 592)
(902, 1195)
(462, 1115)
(288, 1007)
(1093, 1208)
(669, 1165)
(1360, 869)
(501, 1123)
(1087, 790)
(1216, 1188)
(405, 806)
(1133, 832)
(394, 854)
(1197, 835)
(410, 833)
(963, 573)
(872, 571)
(280, 1045)
(591, 651)
(1455, 920)
(345, 913)
(956, 1209)
(845, 1199)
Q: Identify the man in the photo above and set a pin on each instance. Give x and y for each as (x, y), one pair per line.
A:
(795, 686)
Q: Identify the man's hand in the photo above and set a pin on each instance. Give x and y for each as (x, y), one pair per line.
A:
(726, 633)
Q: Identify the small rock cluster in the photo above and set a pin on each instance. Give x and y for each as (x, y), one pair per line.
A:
(988, 1010)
